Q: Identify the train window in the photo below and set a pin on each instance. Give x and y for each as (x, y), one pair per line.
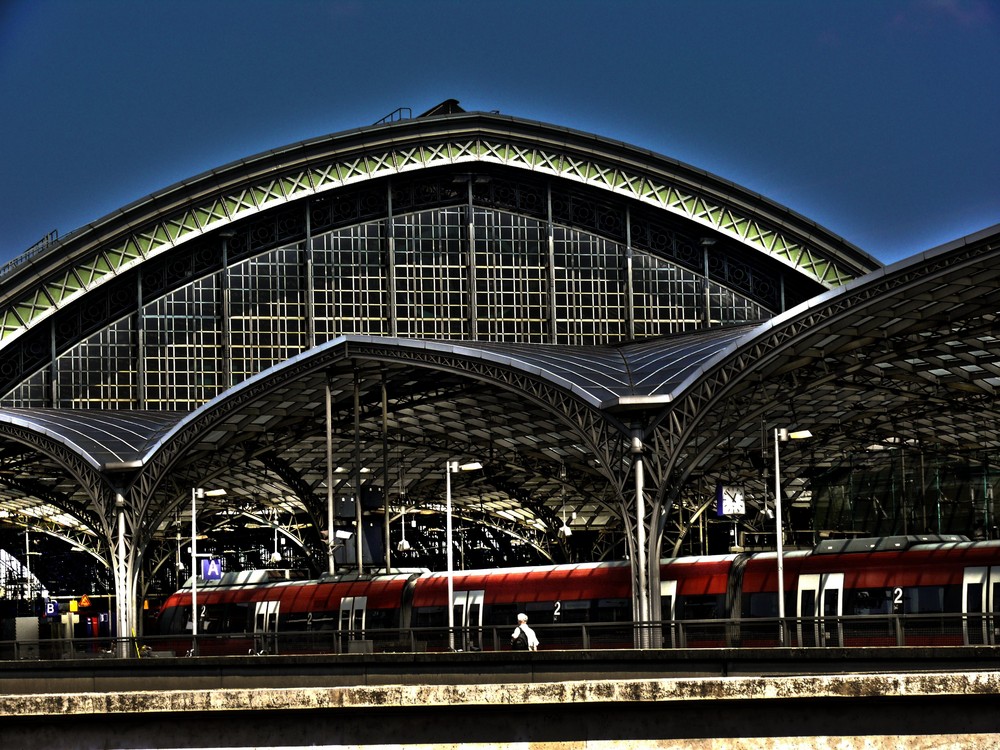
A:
(831, 598)
(895, 600)
(383, 619)
(429, 617)
(238, 618)
(975, 597)
(578, 611)
(763, 604)
(359, 617)
(614, 610)
(540, 613)
(923, 599)
(322, 620)
(213, 618)
(953, 598)
(807, 605)
(294, 621)
(868, 602)
(500, 614)
(899, 600)
(704, 607)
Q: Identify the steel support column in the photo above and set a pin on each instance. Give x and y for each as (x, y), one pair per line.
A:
(640, 578)
(124, 600)
(385, 474)
(330, 535)
(358, 529)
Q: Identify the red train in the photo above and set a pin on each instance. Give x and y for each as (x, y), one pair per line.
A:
(917, 590)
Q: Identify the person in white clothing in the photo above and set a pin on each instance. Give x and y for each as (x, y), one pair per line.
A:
(523, 638)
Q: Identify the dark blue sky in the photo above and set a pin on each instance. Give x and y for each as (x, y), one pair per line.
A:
(878, 120)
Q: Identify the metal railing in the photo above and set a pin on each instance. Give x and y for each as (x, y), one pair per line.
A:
(803, 632)
(400, 113)
(37, 249)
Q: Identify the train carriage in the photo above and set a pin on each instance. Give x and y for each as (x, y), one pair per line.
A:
(561, 598)
(918, 590)
(695, 590)
(853, 593)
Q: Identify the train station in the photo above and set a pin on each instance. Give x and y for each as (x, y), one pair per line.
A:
(465, 341)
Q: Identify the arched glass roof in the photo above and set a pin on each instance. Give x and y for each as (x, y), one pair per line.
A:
(475, 286)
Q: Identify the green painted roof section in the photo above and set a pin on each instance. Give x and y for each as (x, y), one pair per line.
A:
(180, 225)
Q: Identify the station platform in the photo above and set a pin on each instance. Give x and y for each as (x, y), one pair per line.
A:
(916, 709)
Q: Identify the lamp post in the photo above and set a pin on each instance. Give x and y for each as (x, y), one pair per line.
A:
(781, 435)
(451, 467)
(27, 564)
(275, 555)
(196, 493)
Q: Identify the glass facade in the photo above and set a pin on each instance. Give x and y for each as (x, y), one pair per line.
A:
(182, 352)
(512, 272)
(100, 372)
(590, 299)
(267, 320)
(431, 274)
(350, 281)
(487, 261)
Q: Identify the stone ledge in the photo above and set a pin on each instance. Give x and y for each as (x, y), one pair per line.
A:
(583, 691)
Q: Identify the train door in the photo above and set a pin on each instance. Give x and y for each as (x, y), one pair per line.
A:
(265, 627)
(993, 607)
(974, 606)
(468, 613)
(351, 623)
(820, 603)
(668, 601)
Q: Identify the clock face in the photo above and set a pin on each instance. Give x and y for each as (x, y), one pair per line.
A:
(732, 502)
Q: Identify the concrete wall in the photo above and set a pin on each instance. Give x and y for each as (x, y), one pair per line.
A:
(932, 710)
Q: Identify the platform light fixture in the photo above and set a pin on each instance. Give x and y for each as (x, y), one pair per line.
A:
(275, 555)
(335, 541)
(782, 435)
(564, 532)
(402, 545)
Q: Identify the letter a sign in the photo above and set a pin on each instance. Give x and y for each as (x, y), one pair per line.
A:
(211, 569)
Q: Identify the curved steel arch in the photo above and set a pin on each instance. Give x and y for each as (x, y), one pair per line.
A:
(606, 439)
(260, 186)
(603, 432)
(81, 538)
(747, 359)
(91, 256)
(97, 515)
(853, 331)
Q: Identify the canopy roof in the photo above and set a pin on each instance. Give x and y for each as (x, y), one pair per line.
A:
(903, 353)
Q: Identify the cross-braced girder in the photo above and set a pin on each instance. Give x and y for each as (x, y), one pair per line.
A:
(908, 354)
(453, 226)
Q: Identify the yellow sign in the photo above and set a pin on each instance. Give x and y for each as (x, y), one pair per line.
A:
(73, 606)
(84, 601)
